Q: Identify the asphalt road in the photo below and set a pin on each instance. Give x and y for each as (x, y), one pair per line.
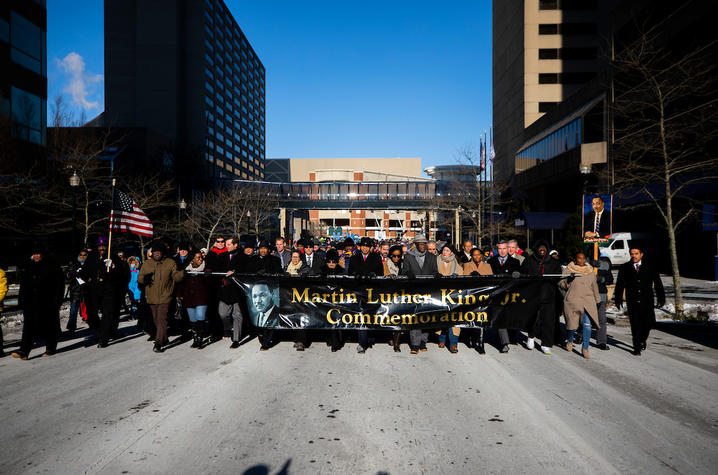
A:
(125, 409)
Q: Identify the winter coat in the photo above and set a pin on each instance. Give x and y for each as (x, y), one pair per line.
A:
(301, 269)
(159, 278)
(483, 268)
(264, 265)
(510, 265)
(639, 289)
(42, 287)
(237, 262)
(285, 257)
(534, 265)
(194, 288)
(100, 279)
(452, 267)
(133, 286)
(581, 294)
(3, 288)
(411, 265)
(76, 289)
(371, 265)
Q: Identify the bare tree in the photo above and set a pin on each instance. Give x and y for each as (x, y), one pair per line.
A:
(666, 117)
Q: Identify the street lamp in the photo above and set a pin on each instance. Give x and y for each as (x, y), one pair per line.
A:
(180, 206)
(74, 183)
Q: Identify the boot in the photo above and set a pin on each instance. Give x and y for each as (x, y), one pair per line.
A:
(395, 337)
(586, 354)
(198, 334)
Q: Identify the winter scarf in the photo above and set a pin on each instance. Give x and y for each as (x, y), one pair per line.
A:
(576, 269)
(293, 269)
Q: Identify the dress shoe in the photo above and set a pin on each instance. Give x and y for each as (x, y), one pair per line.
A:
(504, 349)
(17, 354)
(102, 344)
(569, 347)
(604, 347)
(361, 350)
(643, 346)
(636, 352)
(234, 345)
(157, 348)
(299, 346)
(335, 349)
(453, 349)
(442, 345)
(397, 349)
(264, 348)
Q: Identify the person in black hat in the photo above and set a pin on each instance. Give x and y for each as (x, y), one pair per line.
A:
(265, 263)
(42, 286)
(331, 267)
(348, 250)
(107, 279)
(365, 263)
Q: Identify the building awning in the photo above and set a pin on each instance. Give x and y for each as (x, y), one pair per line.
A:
(537, 220)
(580, 112)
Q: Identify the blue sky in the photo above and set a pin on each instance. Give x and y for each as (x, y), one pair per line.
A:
(344, 79)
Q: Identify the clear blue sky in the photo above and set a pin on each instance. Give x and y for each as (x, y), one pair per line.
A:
(344, 79)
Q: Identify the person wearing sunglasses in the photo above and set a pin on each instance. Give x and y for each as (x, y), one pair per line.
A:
(332, 267)
(392, 268)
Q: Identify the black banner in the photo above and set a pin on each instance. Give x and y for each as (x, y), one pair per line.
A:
(339, 302)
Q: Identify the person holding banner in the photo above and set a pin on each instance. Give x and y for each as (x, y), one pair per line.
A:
(448, 265)
(228, 309)
(477, 267)
(540, 263)
(264, 263)
(392, 268)
(297, 267)
(581, 301)
(419, 262)
(503, 263)
(332, 267)
(193, 291)
(365, 263)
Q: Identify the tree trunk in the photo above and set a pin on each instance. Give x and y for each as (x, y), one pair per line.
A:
(678, 293)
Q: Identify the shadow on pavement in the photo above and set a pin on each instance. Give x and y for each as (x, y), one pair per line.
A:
(697, 333)
(264, 469)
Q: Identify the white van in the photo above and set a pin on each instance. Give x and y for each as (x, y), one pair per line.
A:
(616, 252)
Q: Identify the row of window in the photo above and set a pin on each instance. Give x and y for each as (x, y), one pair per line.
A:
(565, 78)
(224, 169)
(568, 29)
(28, 113)
(568, 53)
(27, 43)
(566, 138)
(256, 128)
(247, 90)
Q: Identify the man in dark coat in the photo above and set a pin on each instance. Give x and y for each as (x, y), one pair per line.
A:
(313, 259)
(639, 278)
(42, 287)
(501, 264)
(419, 262)
(541, 263)
(230, 297)
(265, 263)
(365, 263)
(106, 280)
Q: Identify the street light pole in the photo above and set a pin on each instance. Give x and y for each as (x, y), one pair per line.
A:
(74, 183)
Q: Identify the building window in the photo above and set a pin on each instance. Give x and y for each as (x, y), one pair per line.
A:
(548, 53)
(546, 106)
(28, 44)
(548, 78)
(548, 29)
(27, 115)
(568, 53)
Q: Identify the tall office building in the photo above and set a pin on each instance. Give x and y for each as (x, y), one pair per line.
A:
(185, 70)
(23, 56)
(543, 52)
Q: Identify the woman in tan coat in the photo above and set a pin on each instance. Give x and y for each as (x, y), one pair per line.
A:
(581, 300)
(448, 265)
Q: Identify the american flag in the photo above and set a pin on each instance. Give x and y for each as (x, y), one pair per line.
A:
(126, 216)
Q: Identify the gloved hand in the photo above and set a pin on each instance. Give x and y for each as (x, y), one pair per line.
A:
(570, 278)
(438, 275)
(475, 274)
(108, 263)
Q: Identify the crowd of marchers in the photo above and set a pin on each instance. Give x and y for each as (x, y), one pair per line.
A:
(188, 291)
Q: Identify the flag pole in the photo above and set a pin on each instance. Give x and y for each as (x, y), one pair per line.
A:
(112, 214)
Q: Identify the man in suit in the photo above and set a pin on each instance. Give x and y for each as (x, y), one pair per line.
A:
(314, 260)
(230, 297)
(365, 263)
(502, 263)
(465, 255)
(638, 279)
(597, 223)
(419, 262)
(267, 313)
